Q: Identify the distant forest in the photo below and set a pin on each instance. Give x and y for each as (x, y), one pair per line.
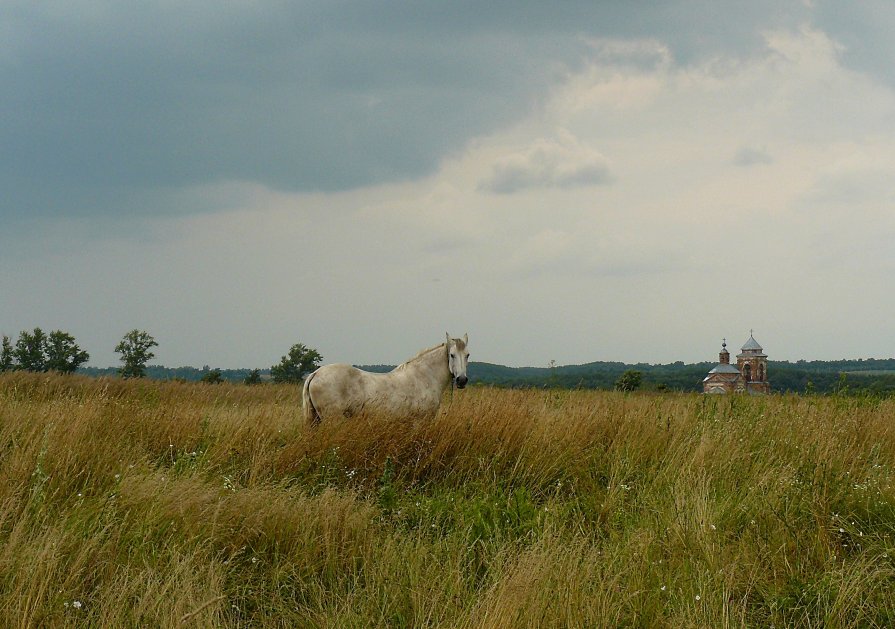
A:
(843, 376)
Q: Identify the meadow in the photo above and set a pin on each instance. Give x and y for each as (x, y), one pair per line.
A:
(166, 504)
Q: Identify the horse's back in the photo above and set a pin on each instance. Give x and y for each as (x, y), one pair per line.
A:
(338, 389)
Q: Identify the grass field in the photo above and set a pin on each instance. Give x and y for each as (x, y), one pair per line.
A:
(145, 504)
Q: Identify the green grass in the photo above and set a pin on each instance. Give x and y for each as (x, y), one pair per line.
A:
(134, 504)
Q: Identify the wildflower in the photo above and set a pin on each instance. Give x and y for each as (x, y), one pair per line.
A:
(712, 526)
(662, 588)
(698, 597)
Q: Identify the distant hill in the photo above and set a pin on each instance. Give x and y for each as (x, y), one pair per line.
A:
(860, 375)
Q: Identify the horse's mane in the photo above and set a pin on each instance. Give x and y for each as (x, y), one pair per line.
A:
(419, 355)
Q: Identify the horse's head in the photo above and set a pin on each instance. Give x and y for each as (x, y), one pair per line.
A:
(458, 357)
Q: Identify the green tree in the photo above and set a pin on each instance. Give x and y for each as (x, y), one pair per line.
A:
(7, 363)
(135, 349)
(629, 381)
(62, 353)
(30, 350)
(299, 362)
(254, 377)
(213, 376)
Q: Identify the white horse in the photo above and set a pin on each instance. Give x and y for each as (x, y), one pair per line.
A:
(411, 390)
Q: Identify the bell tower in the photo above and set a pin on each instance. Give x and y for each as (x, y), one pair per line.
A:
(753, 364)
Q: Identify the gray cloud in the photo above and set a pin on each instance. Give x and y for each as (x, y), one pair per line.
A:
(108, 108)
(865, 188)
(751, 156)
(548, 164)
(864, 29)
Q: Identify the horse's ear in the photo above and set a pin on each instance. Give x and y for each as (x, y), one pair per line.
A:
(447, 339)
(466, 339)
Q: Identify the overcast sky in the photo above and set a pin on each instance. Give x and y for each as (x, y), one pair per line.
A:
(568, 181)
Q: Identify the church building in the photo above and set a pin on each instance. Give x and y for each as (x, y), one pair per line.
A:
(750, 375)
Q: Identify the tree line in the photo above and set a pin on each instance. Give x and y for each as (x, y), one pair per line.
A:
(57, 351)
(853, 377)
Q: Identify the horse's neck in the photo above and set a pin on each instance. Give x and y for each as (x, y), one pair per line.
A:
(432, 363)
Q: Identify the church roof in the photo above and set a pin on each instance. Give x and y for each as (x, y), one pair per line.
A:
(751, 344)
(722, 368)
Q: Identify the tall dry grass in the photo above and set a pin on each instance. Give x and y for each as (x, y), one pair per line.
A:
(133, 504)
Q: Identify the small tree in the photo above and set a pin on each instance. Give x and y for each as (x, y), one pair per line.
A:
(629, 381)
(6, 357)
(254, 377)
(841, 387)
(213, 376)
(135, 349)
(63, 354)
(296, 365)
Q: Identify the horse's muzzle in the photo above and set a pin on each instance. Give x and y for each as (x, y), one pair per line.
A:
(461, 382)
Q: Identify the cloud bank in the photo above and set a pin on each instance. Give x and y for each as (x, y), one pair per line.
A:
(110, 109)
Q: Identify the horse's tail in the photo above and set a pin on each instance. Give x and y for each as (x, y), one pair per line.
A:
(312, 416)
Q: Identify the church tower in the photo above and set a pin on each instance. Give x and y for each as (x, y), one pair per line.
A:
(752, 362)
